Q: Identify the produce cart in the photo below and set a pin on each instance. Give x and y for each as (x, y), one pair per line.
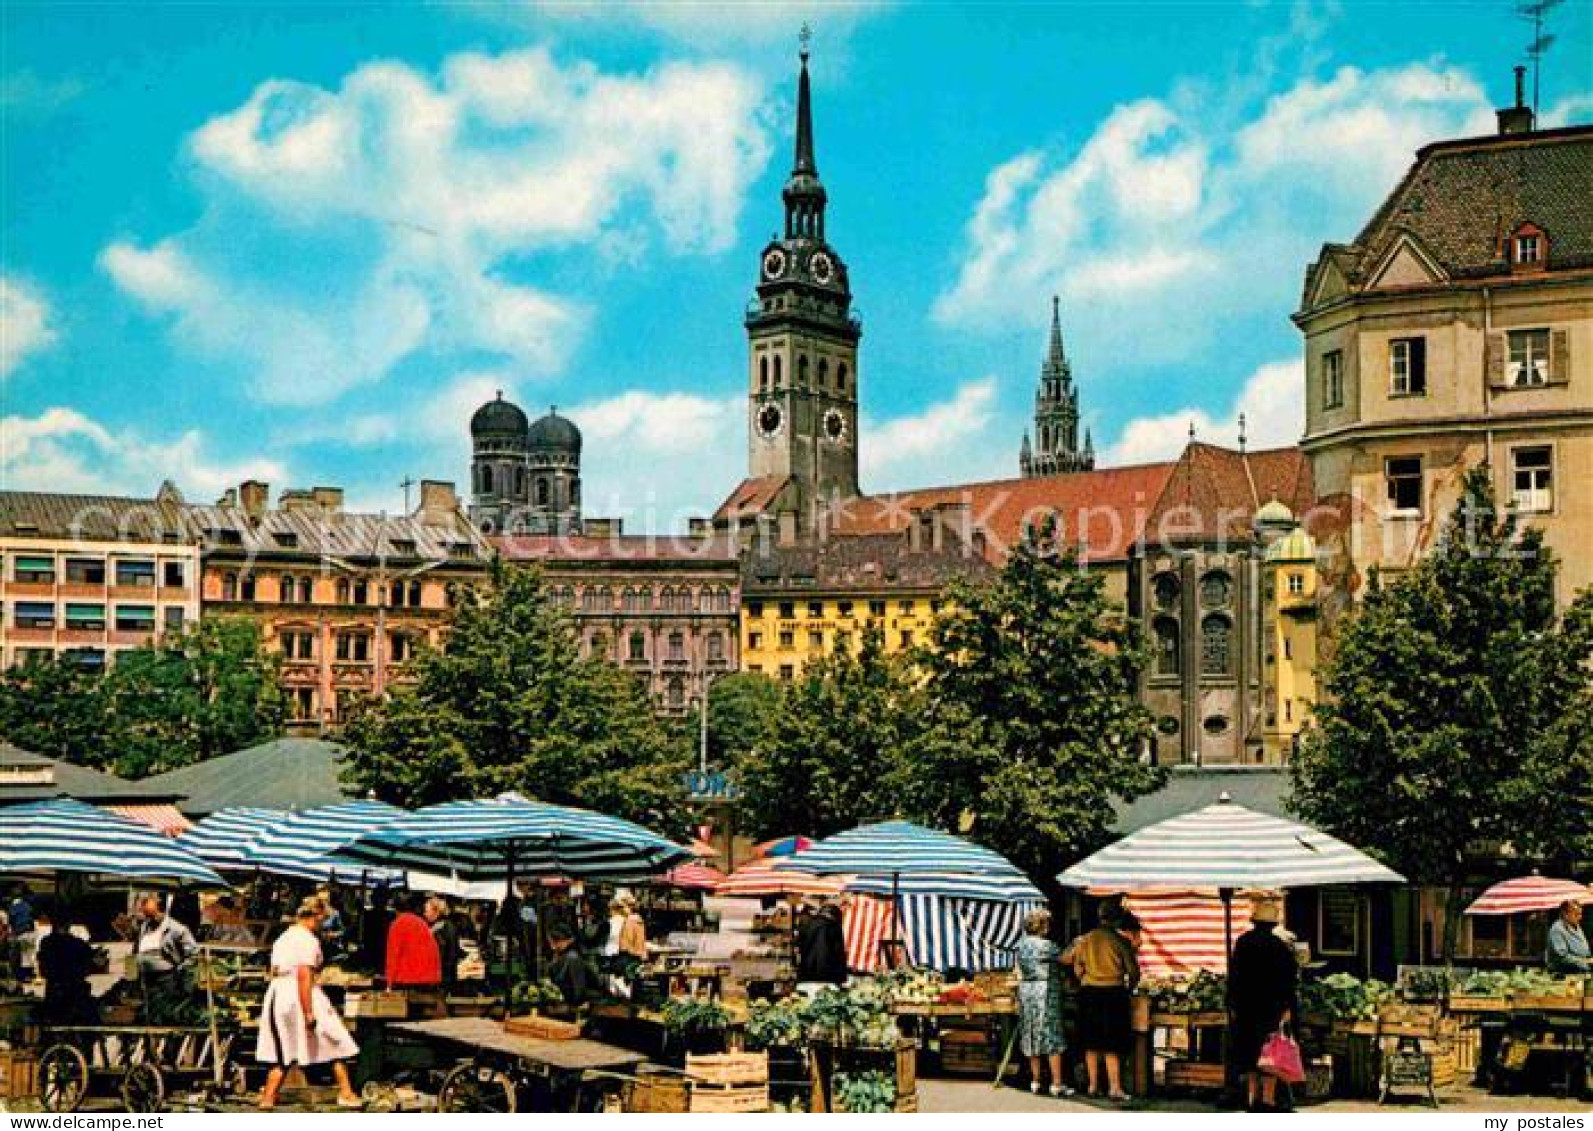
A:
(140, 1064)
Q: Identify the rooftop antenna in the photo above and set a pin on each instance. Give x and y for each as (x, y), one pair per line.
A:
(1241, 431)
(406, 483)
(1536, 12)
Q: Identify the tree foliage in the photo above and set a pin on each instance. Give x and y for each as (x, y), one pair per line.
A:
(186, 697)
(509, 703)
(1457, 712)
(1031, 678)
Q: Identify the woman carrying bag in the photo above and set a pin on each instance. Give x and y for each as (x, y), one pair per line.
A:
(1263, 978)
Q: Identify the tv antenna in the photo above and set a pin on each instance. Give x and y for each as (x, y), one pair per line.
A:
(1536, 13)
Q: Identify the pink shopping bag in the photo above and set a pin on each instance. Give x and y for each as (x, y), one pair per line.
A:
(1280, 1057)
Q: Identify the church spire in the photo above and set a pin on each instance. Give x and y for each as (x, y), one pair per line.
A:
(1056, 449)
(804, 195)
(1056, 358)
(804, 162)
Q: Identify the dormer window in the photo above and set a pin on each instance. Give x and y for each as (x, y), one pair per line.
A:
(1529, 248)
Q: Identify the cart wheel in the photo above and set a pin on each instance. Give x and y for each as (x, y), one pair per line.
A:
(63, 1078)
(143, 1087)
(476, 1088)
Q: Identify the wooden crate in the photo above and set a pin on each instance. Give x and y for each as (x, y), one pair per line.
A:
(728, 1068)
(658, 1092)
(477, 1006)
(1477, 1003)
(388, 1004)
(744, 1099)
(967, 1052)
(543, 1028)
(1568, 1002)
(19, 1073)
(1193, 1074)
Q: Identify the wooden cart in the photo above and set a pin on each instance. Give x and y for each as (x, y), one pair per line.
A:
(141, 1064)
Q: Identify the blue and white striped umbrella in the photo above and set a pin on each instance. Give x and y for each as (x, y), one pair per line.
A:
(305, 843)
(906, 854)
(219, 839)
(1226, 846)
(963, 934)
(490, 840)
(63, 835)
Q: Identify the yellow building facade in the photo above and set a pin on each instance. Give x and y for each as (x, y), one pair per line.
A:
(1288, 625)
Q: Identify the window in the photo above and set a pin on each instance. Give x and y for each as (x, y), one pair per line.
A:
(486, 479)
(840, 377)
(1529, 249)
(787, 610)
(906, 638)
(298, 645)
(843, 641)
(1168, 657)
(173, 575)
(676, 695)
(401, 647)
(362, 593)
(802, 371)
(86, 617)
(754, 640)
(91, 658)
(677, 646)
(301, 704)
(816, 641)
(39, 571)
(135, 618)
(174, 617)
(287, 590)
(1532, 470)
(286, 540)
(246, 587)
(755, 608)
(1333, 379)
(1296, 584)
(716, 648)
(816, 609)
(777, 374)
(1407, 367)
(1216, 588)
(1216, 652)
(543, 492)
(843, 608)
(343, 590)
(763, 374)
(1529, 358)
(824, 373)
(876, 608)
(229, 587)
(788, 640)
(1404, 476)
(135, 574)
(1339, 921)
(638, 646)
(33, 614)
(787, 672)
(906, 606)
(85, 571)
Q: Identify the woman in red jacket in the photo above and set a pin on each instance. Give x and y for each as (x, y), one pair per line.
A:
(412, 956)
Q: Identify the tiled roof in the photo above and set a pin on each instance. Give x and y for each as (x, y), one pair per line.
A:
(335, 533)
(752, 496)
(619, 548)
(1461, 199)
(856, 562)
(91, 518)
(1105, 508)
(1213, 493)
(1264, 789)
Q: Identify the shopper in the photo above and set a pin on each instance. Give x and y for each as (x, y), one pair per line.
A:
(1039, 963)
(1108, 971)
(1263, 978)
(298, 1025)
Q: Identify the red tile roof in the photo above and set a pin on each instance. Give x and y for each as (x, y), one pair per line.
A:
(752, 496)
(683, 548)
(1213, 493)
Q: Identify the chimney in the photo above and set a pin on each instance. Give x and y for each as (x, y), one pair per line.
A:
(438, 502)
(328, 498)
(1517, 119)
(255, 497)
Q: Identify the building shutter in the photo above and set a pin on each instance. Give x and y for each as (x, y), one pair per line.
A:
(1496, 359)
(1559, 356)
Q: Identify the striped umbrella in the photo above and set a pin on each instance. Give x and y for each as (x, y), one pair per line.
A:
(782, 846)
(63, 835)
(1184, 931)
(219, 839)
(899, 848)
(1226, 846)
(762, 878)
(1010, 888)
(692, 877)
(304, 843)
(517, 838)
(1528, 893)
(941, 933)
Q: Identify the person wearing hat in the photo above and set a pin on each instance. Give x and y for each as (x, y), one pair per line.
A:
(1263, 978)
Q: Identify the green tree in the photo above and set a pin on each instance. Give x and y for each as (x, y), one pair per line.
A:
(833, 752)
(54, 706)
(190, 696)
(1032, 678)
(743, 716)
(1457, 712)
(509, 703)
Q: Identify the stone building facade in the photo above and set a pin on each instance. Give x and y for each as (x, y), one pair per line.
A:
(525, 477)
(663, 608)
(89, 576)
(1456, 331)
(343, 598)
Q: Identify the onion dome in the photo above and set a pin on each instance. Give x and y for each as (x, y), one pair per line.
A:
(1275, 513)
(554, 433)
(499, 418)
(1295, 546)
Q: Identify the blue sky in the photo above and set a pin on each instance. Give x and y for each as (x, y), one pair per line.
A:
(302, 242)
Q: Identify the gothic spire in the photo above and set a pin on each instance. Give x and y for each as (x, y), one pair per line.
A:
(804, 162)
(804, 194)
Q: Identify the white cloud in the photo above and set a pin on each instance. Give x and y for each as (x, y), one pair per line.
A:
(63, 450)
(402, 214)
(911, 451)
(25, 323)
(1271, 400)
(1173, 216)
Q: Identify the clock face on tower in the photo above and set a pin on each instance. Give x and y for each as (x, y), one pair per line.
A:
(823, 267)
(770, 421)
(834, 425)
(773, 263)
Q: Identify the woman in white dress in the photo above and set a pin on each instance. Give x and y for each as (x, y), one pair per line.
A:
(298, 1025)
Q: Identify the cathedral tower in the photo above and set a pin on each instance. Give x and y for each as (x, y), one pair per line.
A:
(802, 361)
(1056, 449)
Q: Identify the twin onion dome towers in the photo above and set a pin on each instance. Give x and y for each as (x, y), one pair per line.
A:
(802, 406)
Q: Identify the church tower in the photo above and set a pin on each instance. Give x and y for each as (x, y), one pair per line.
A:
(802, 360)
(1056, 448)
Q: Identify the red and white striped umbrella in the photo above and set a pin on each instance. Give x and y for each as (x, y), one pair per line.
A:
(1528, 893)
(761, 878)
(694, 877)
(1183, 930)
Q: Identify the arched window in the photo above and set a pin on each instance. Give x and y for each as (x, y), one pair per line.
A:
(1168, 654)
(1216, 645)
(542, 492)
(638, 646)
(486, 479)
(763, 374)
(840, 377)
(414, 594)
(519, 482)
(1165, 589)
(1216, 588)
(802, 371)
(824, 372)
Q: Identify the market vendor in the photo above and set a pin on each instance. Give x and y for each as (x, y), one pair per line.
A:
(298, 1024)
(166, 951)
(1567, 951)
(567, 969)
(65, 962)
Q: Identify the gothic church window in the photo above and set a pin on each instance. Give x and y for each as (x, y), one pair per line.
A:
(1167, 646)
(802, 371)
(1216, 645)
(777, 374)
(824, 373)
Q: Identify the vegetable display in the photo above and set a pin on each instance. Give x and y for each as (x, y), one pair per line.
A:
(1344, 997)
(527, 997)
(689, 1016)
(860, 1093)
(1203, 992)
(1505, 983)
